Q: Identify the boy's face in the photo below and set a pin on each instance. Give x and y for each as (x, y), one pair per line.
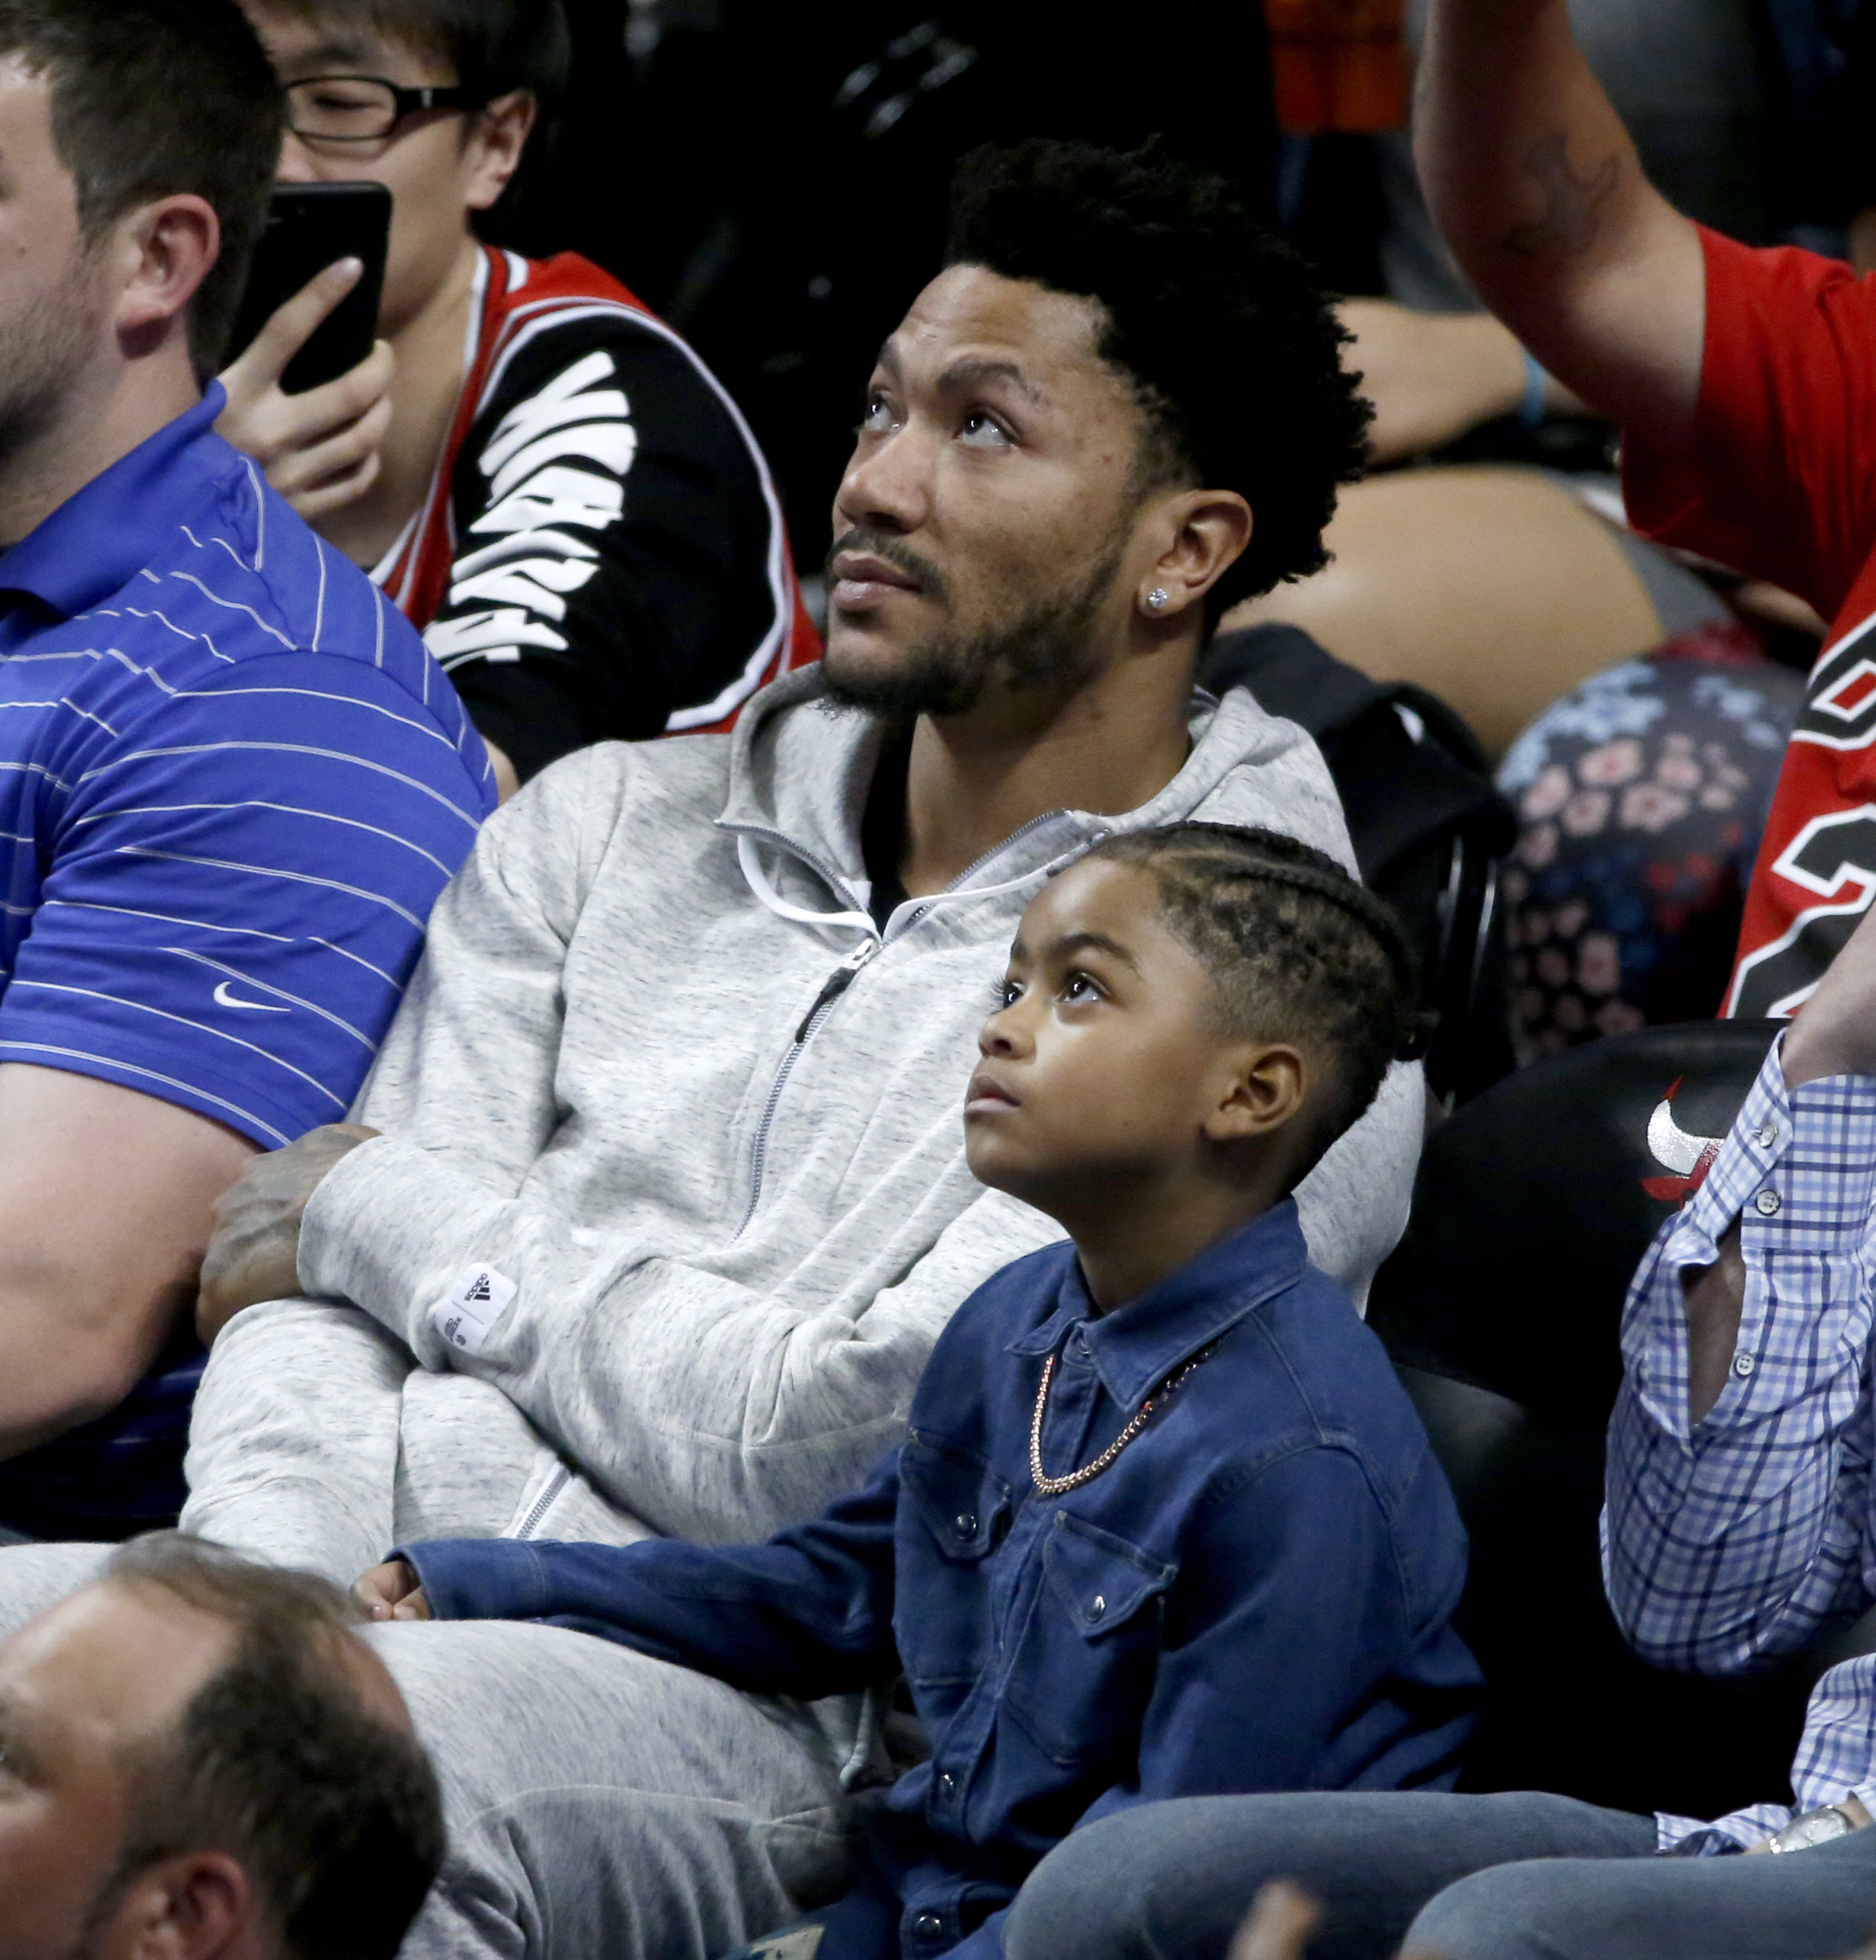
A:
(439, 166)
(1104, 1071)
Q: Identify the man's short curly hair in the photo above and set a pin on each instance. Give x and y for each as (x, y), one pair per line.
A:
(1234, 354)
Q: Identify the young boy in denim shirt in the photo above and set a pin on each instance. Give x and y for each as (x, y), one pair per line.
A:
(1164, 1523)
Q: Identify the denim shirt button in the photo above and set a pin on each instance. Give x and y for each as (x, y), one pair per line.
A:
(928, 1926)
(947, 1783)
(1098, 1607)
(965, 1523)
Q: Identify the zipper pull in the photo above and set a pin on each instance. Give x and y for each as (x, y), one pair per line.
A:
(837, 983)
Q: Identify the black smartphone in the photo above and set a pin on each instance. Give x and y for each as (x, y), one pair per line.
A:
(309, 228)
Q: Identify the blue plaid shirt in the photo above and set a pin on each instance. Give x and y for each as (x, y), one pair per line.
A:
(1736, 1538)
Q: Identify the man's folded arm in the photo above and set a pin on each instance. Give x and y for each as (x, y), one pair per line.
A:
(703, 1406)
(482, 1015)
(1732, 1532)
(293, 1442)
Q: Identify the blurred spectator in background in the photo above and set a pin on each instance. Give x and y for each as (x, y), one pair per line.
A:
(541, 473)
(1644, 788)
(1741, 379)
(202, 941)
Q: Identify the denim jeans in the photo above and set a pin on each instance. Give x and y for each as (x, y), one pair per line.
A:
(1520, 1876)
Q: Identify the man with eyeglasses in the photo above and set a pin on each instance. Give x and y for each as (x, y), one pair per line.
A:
(540, 472)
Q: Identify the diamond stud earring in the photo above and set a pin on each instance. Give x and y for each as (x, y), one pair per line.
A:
(1157, 599)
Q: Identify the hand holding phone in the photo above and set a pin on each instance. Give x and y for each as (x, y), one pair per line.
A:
(319, 448)
(310, 228)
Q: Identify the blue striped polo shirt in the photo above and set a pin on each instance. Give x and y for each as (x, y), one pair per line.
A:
(233, 783)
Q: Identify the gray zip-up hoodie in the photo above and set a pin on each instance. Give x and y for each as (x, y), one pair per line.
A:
(672, 1201)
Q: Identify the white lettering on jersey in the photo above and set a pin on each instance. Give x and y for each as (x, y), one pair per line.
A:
(526, 578)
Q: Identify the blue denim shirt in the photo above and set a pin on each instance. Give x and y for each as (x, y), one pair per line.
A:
(1255, 1594)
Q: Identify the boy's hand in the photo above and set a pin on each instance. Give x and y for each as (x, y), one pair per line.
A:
(1835, 1032)
(390, 1591)
(254, 1253)
(320, 449)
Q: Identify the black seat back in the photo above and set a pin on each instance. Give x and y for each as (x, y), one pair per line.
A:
(1428, 826)
(1501, 1309)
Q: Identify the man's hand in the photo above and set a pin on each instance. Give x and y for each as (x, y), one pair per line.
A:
(320, 449)
(254, 1253)
(1835, 1033)
(1860, 1820)
(390, 1591)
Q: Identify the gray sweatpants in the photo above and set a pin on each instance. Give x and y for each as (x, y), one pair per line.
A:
(599, 1802)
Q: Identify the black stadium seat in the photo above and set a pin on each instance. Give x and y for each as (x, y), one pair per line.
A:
(1501, 1310)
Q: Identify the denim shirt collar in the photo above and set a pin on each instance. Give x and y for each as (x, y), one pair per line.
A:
(1136, 1348)
(99, 538)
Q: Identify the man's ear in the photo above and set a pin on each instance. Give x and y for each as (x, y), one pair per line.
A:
(1209, 531)
(1268, 1083)
(195, 1905)
(497, 139)
(161, 253)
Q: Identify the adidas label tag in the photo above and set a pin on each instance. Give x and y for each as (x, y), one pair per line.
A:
(470, 1308)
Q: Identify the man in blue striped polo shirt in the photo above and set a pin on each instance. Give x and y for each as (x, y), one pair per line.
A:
(232, 783)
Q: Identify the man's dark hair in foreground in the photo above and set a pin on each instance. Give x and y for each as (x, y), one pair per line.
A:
(1234, 353)
(151, 97)
(220, 1764)
(279, 1760)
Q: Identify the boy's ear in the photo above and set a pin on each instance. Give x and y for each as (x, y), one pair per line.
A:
(497, 137)
(1268, 1084)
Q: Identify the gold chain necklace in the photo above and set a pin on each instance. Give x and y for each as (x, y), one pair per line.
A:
(1053, 1486)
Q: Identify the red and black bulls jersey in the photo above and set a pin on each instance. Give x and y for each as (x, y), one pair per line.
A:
(1777, 479)
(601, 553)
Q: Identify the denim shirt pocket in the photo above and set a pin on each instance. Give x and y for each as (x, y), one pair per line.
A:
(1083, 1672)
(962, 1512)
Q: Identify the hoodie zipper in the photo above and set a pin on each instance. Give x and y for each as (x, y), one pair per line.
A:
(842, 978)
(552, 1489)
(835, 985)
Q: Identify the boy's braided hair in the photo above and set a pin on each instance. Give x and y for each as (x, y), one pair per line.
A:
(1299, 951)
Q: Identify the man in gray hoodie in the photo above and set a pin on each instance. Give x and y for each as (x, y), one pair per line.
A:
(662, 1199)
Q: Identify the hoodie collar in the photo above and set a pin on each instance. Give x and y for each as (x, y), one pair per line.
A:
(1137, 1347)
(799, 776)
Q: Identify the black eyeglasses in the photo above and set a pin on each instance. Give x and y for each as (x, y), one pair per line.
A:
(361, 109)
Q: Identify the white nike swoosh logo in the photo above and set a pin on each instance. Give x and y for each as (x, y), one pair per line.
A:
(224, 999)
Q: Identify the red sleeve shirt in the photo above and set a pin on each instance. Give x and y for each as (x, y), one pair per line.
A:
(1777, 479)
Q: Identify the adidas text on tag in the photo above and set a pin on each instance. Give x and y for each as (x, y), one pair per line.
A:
(464, 1315)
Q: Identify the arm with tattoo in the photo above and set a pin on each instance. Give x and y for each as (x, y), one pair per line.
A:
(1536, 186)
